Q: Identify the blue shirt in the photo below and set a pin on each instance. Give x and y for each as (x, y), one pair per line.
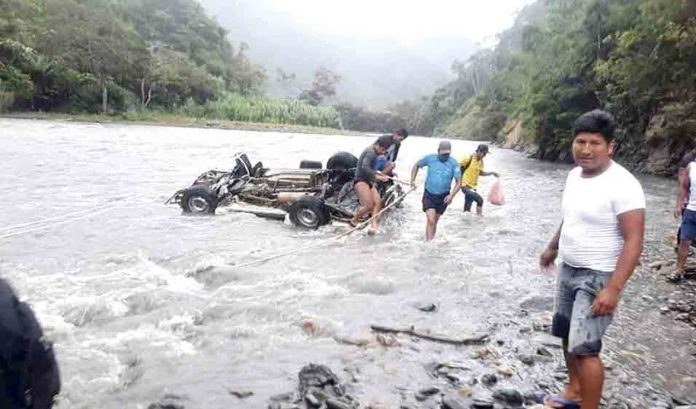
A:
(440, 174)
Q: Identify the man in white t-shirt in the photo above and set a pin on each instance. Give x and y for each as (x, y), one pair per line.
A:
(686, 210)
(600, 241)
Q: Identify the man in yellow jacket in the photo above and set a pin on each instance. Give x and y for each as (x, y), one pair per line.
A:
(472, 168)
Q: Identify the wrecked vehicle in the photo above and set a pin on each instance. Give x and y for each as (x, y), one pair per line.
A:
(311, 196)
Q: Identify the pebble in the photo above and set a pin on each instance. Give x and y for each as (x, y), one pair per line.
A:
(510, 396)
(240, 394)
(482, 404)
(527, 359)
(489, 379)
(425, 393)
(543, 351)
(506, 370)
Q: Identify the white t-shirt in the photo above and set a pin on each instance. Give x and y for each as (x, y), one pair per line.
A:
(691, 204)
(590, 235)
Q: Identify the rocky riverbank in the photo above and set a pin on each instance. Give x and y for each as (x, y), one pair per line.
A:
(509, 367)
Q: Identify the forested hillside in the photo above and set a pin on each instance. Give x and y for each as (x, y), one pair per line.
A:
(115, 56)
(634, 58)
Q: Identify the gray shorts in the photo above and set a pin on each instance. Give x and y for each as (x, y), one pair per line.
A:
(573, 319)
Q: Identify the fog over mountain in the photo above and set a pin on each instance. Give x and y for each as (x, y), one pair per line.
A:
(376, 72)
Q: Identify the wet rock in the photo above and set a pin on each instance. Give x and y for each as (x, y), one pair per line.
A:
(527, 359)
(511, 397)
(452, 403)
(240, 394)
(430, 307)
(489, 379)
(506, 370)
(321, 377)
(464, 390)
(426, 393)
(686, 407)
(543, 351)
(168, 402)
(480, 403)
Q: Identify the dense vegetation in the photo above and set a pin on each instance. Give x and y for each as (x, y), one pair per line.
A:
(634, 58)
(124, 55)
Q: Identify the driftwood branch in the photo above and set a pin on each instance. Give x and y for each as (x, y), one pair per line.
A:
(431, 337)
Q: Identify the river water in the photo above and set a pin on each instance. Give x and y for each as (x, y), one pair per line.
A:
(143, 301)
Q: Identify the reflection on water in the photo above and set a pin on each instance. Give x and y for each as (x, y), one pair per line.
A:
(142, 301)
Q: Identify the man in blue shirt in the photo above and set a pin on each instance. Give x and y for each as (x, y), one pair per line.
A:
(441, 170)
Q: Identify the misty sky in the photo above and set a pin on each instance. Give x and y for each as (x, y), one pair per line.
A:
(407, 21)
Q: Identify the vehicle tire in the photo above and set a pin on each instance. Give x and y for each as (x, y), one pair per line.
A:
(199, 200)
(310, 164)
(309, 212)
(342, 161)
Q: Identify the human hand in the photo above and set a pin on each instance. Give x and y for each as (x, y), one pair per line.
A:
(678, 212)
(547, 258)
(606, 301)
(448, 199)
(382, 178)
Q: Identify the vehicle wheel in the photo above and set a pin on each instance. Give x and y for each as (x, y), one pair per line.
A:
(310, 164)
(342, 161)
(309, 212)
(199, 200)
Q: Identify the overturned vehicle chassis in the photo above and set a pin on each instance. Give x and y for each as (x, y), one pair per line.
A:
(312, 195)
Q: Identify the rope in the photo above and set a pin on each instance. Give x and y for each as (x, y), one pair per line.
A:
(313, 245)
(90, 212)
(28, 224)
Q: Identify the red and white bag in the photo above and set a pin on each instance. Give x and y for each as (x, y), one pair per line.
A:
(495, 196)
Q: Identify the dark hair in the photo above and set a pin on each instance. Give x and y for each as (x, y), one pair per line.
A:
(596, 121)
(402, 132)
(483, 148)
(384, 141)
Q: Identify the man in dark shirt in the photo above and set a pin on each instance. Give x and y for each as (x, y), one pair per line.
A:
(365, 177)
(387, 162)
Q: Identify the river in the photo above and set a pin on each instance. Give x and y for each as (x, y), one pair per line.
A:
(131, 291)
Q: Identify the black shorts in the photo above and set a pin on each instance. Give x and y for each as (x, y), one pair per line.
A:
(362, 176)
(437, 202)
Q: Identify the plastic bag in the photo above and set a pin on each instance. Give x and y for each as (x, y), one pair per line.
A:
(495, 196)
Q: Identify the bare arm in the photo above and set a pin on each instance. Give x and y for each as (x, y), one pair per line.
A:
(548, 256)
(684, 187)
(632, 225)
(457, 188)
(414, 173)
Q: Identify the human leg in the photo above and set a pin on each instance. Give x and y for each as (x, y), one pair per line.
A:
(431, 224)
(682, 254)
(468, 198)
(687, 234)
(585, 335)
(376, 207)
(364, 192)
(479, 203)
(563, 312)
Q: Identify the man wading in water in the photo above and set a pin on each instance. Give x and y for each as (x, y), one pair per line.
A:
(387, 162)
(364, 186)
(472, 168)
(436, 197)
(600, 241)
